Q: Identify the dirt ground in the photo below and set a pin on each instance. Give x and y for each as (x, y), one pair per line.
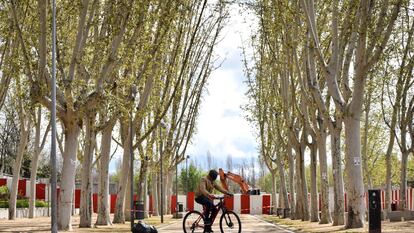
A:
(42, 224)
(249, 224)
(301, 226)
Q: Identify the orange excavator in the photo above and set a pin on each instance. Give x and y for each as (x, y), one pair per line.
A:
(245, 188)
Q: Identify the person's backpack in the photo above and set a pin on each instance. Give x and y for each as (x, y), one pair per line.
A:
(141, 227)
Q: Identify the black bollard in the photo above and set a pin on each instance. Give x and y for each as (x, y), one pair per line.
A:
(374, 211)
(139, 210)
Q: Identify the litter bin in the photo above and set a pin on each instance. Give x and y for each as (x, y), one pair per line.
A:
(393, 206)
(180, 207)
(139, 210)
(286, 213)
(279, 212)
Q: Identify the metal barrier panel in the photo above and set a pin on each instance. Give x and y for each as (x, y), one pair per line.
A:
(173, 203)
(95, 202)
(3, 182)
(266, 204)
(229, 203)
(112, 203)
(77, 198)
(245, 204)
(190, 201)
(41, 191)
(256, 204)
(237, 203)
(22, 188)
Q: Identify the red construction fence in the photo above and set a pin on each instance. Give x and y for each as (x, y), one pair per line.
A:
(245, 204)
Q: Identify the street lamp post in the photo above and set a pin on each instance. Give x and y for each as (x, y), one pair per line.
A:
(162, 124)
(131, 170)
(54, 227)
(186, 174)
(176, 184)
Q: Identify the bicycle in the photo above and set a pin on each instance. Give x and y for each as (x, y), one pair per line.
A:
(193, 221)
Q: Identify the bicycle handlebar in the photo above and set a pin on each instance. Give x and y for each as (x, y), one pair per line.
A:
(222, 197)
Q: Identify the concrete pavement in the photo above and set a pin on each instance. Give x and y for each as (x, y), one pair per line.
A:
(249, 223)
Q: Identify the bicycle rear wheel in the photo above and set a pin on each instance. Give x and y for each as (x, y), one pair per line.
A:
(230, 222)
(193, 222)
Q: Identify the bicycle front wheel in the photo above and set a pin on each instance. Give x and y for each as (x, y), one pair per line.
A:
(230, 222)
(193, 222)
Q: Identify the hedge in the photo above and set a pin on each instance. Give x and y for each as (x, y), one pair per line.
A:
(23, 204)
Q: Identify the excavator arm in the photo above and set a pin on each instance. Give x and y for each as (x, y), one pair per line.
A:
(235, 178)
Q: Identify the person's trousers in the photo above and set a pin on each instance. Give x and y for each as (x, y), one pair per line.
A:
(211, 210)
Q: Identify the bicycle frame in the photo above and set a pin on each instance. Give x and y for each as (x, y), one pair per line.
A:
(220, 206)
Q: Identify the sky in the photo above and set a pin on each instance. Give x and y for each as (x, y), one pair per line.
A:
(222, 128)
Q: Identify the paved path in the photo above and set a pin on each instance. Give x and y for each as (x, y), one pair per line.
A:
(250, 223)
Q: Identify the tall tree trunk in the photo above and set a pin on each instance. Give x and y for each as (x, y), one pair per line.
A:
(33, 174)
(145, 198)
(86, 182)
(299, 196)
(403, 180)
(67, 183)
(119, 216)
(274, 191)
(103, 193)
(314, 215)
(339, 211)
(303, 184)
(353, 169)
(354, 184)
(291, 182)
(141, 185)
(154, 193)
(34, 165)
(127, 206)
(367, 175)
(388, 159)
(283, 190)
(24, 134)
(280, 199)
(168, 191)
(324, 194)
(159, 193)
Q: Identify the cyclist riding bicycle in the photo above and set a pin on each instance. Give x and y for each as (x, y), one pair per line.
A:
(204, 197)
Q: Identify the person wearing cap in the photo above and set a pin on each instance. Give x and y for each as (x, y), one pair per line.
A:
(204, 197)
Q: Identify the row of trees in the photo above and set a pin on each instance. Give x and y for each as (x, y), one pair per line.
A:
(127, 71)
(320, 70)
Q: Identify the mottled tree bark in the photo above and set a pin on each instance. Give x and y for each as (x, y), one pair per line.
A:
(119, 216)
(86, 182)
(291, 183)
(324, 194)
(68, 175)
(24, 135)
(339, 211)
(103, 193)
(314, 213)
(154, 193)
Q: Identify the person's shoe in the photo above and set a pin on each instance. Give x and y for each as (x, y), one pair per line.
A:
(208, 229)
